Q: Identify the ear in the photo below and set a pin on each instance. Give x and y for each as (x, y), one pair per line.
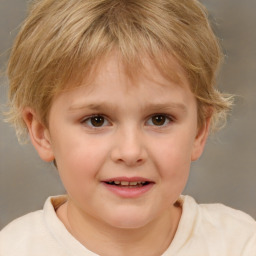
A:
(39, 135)
(200, 140)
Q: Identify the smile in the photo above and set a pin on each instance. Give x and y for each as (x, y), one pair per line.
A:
(127, 183)
(128, 187)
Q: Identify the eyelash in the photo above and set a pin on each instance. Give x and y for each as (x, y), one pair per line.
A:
(167, 118)
(88, 120)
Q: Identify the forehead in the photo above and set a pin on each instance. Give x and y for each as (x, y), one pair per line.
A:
(164, 71)
(112, 81)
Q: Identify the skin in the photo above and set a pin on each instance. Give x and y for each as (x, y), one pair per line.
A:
(146, 128)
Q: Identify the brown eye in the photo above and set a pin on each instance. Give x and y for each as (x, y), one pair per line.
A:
(96, 121)
(159, 120)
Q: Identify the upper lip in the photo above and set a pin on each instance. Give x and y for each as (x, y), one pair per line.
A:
(128, 179)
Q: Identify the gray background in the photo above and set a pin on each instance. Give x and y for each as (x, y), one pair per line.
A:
(225, 173)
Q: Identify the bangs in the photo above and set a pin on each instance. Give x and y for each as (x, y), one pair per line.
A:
(63, 42)
(117, 29)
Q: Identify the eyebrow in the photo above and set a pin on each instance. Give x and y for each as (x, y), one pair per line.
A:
(92, 106)
(166, 106)
(103, 106)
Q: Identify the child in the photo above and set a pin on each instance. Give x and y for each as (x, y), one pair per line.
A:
(120, 95)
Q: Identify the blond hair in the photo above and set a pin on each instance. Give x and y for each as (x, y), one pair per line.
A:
(64, 40)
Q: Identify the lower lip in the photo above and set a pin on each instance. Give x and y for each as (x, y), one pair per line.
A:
(129, 192)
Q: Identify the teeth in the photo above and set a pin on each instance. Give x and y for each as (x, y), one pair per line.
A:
(124, 183)
(127, 183)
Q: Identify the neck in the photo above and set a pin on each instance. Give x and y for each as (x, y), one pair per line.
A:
(118, 241)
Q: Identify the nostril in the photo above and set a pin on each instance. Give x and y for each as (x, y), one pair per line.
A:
(129, 152)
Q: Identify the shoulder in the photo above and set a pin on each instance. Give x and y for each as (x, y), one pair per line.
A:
(30, 234)
(20, 231)
(219, 226)
(218, 216)
(227, 218)
(24, 223)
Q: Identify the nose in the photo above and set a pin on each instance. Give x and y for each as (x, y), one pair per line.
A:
(129, 148)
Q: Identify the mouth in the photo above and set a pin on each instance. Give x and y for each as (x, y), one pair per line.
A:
(129, 187)
(128, 184)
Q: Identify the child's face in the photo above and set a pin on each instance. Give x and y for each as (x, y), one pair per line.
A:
(117, 131)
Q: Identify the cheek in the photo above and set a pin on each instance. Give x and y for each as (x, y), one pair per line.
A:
(174, 152)
(79, 159)
(78, 171)
(175, 169)
(173, 161)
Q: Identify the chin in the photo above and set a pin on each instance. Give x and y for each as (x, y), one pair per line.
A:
(129, 220)
(129, 224)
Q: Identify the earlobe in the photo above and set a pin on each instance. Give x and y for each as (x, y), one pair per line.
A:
(200, 140)
(39, 135)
